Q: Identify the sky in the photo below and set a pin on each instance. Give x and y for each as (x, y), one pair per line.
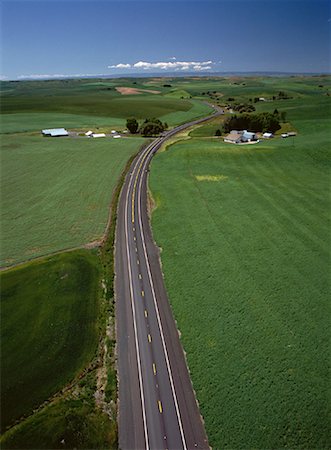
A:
(55, 38)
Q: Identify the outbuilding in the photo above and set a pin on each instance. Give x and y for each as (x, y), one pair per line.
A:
(248, 136)
(267, 135)
(98, 135)
(89, 133)
(55, 132)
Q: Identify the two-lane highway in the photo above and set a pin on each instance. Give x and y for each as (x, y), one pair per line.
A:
(157, 406)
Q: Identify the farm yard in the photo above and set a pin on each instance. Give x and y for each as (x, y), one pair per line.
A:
(244, 233)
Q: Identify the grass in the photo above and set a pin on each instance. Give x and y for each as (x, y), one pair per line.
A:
(48, 338)
(245, 238)
(56, 192)
(68, 423)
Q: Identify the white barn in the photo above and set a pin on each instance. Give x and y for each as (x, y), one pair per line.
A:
(55, 132)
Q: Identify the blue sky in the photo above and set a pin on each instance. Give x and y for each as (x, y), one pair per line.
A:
(63, 37)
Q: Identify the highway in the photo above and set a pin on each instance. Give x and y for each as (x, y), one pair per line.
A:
(157, 407)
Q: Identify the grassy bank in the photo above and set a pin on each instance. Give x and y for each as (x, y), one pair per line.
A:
(245, 238)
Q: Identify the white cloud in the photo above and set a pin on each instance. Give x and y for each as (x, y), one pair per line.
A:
(166, 65)
(120, 66)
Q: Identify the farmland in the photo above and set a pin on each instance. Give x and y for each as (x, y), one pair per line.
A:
(57, 190)
(245, 234)
(40, 335)
(252, 311)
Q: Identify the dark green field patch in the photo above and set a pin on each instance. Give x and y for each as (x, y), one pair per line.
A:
(49, 331)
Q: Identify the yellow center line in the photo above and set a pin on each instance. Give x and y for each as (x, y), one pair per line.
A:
(138, 262)
(149, 338)
(134, 238)
(146, 314)
(154, 369)
(139, 276)
(142, 293)
(160, 406)
(135, 185)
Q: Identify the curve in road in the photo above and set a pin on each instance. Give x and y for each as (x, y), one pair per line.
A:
(157, 406)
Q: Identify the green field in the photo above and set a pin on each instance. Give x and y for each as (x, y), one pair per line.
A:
(245, 239)
(33, 105)
(49, 328)
(56, 193)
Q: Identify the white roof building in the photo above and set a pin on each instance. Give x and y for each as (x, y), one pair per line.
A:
(88, 133)
(55, 132)
(98, 135)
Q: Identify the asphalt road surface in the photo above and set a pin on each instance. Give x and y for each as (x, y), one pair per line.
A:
(157, 405)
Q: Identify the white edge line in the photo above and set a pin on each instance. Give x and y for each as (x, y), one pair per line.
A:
(158, 318)
(133, 308)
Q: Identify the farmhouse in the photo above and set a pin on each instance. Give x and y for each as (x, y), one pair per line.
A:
(55, 132)
(240, 137)
(233, 138)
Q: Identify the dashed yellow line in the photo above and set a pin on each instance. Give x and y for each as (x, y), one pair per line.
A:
(154, 369)
(146, 314)
(140, 276)
(160, 406)
(143, 293)
(135, 185)
(138, 262)
(134, 238)
(149, 338)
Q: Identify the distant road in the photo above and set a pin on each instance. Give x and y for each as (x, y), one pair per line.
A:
(157, 406)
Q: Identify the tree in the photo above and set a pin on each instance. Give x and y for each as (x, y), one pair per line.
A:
(218, 132)
(283, 116)
(152, 127)
(132, 125)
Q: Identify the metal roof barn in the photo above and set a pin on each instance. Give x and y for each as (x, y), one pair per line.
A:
(55, 132)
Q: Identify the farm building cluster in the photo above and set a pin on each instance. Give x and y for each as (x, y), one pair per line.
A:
(248, 137)
(59, 132)
(241, 137)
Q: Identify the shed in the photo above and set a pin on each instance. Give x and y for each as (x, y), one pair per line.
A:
(117, 136)
(98, 135)
(88, 133)
(267, 135)
(55, 132)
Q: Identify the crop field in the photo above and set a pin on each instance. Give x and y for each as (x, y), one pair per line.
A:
(49, 329)
(245, 239)
(56, 193)
(82, 103)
